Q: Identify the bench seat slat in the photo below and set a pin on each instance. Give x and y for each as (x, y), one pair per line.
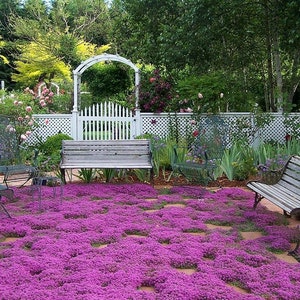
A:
(276, 195)
(291, 187)
(106, 166)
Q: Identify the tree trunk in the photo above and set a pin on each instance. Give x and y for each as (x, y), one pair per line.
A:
(270, 92)
(295, 79)
(279, 83)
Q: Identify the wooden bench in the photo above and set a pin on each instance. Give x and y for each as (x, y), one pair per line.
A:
(285, 193)
(106, 154)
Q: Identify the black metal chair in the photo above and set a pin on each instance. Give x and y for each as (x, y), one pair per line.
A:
(9, 194)
(12, 167)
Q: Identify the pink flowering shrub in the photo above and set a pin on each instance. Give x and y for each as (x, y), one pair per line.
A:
(20, 107)
(46, 97)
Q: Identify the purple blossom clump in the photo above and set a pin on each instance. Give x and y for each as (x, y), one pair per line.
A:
(128, 241)
(189, 191)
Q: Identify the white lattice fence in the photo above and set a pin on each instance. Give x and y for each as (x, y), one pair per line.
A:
(48, 125)
(179, 125)
(167, 125)
(275, 130)
(238, 125)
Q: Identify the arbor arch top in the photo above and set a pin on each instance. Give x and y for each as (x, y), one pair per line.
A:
(99, 58)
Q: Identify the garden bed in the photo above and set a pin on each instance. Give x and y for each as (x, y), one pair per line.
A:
(132, 240)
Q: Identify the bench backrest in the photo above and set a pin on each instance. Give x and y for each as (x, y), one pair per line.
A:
(291, 176)
(134, 151)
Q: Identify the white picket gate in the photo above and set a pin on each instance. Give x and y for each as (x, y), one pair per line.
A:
(107, 121)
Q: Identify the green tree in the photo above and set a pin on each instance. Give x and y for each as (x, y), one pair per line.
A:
(256, 42)
(8, 48)
(107, 80)
(36, 64)
(51, 45)
(85, 19)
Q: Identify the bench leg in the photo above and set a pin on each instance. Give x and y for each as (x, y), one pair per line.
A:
(296, 248)
(63, 175)
(294, 252)
(8, 193)
(257, 199)
(152, 177)
(5, 210)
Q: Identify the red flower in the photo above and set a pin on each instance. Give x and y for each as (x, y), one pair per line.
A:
(288, 137)
(195, 133)
(152, 79)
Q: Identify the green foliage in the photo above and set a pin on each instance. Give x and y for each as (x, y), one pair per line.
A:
(49, 153)
(62, 104)
(268, 151)
(162, 152)
(50, 40)
(86, 175)
(213, 92)
(156, 92)
(141, 174)
(107, 80)
(53, 143)
(241, 161)
(36, 63)
(48, 163)
(227, 163)
(222, 36)
(108, 174)
(245, 166)
(123, 99)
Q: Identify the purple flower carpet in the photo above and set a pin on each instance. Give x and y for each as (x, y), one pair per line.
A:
(131, 241)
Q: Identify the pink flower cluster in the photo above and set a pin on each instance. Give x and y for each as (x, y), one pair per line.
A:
(26, 121)
(46, 97)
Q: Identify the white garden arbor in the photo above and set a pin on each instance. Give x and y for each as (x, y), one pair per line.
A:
(77, 84)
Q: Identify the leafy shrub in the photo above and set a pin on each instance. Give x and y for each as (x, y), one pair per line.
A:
(86, 175)
(53, 143)
(156, 93)
(49, 153)
(106, 80)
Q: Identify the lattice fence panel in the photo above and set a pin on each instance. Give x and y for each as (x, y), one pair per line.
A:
(49, 125)
(275, 131)
(180, 126)
(177, 126)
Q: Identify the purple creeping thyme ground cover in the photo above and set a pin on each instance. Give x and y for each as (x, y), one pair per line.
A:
(110, 241)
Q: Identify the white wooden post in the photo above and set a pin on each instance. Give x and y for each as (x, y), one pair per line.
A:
(2, 88)
(137, 124)
(76, 94)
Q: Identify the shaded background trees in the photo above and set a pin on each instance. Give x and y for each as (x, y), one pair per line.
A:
(247, 51)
